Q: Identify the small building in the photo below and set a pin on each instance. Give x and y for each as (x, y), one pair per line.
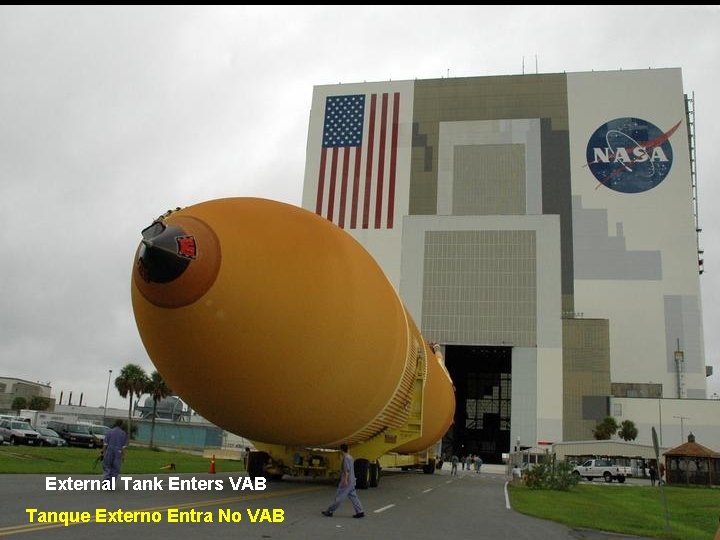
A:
(692, 464)
(12, 387)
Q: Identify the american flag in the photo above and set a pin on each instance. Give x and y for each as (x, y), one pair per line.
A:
(358, 160)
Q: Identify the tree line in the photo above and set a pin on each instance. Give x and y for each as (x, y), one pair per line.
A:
(608, 427)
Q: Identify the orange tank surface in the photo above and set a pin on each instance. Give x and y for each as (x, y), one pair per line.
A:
(277, 325)
(438, 406)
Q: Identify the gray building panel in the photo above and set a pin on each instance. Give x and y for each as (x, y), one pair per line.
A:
(488, 179)
(601, 256)
(479, 287)
(683, 323)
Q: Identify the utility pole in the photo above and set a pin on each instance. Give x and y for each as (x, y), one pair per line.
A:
(682, 430)
(107, 391)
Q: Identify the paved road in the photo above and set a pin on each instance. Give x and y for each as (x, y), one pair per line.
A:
(406, 505)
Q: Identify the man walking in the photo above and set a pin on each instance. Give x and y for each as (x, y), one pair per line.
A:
(454, 462)
(346, 487)
(115, 442)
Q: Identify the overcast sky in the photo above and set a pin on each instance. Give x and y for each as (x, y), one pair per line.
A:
(110, 116)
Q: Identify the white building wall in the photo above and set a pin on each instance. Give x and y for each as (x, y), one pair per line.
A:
(637, 245)
(525, 401)
(384, 242)
(673, 419)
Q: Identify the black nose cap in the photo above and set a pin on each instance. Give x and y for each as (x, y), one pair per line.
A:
(165, 253)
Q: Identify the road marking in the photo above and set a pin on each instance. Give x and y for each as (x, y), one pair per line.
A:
(384, 508)
(449, 482)
(34, 527)
(507, 497)
(427, 490)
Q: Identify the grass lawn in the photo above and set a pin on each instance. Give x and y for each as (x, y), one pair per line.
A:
(71, 460)
(630, 509)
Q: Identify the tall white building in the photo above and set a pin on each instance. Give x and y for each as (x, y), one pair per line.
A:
(542, 228)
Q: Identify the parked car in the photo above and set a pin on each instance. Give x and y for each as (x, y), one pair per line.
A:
(16, 432)
(74, 434)
(48, 437)
(98, 432)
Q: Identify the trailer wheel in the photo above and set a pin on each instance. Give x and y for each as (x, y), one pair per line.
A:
(374, 474)
(362, 473)
(429, 468)
(620, 479)
(256, 464)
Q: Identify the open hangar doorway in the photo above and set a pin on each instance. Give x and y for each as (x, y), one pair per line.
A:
(482, 376)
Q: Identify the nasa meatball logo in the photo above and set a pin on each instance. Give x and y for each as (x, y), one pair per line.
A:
(630, 155)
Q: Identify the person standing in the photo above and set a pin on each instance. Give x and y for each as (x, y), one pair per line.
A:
(346, 487)
(116, 440)
(454, 462)
(653, 474)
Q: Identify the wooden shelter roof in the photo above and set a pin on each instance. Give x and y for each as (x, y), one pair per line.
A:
(692, 449)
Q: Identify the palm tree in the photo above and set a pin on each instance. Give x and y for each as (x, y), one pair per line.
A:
(132, 380)
(628, 431)
(606, 429)
(158, 389)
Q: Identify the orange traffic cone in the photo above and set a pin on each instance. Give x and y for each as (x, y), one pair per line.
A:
(212, 465)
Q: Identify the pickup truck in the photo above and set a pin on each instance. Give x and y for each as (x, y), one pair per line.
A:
(602, 468)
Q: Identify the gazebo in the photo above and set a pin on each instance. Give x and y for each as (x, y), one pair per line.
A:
(692, 464)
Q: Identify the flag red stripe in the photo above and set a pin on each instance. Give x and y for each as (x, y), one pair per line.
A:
(321, 182)
(356, 188)
(333, 178)
(381, 163)
(393, 160)
(368, 165)
(343, 186)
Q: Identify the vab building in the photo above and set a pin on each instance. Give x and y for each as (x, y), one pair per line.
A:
(542, 228)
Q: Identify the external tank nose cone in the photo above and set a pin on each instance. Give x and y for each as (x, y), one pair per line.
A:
(177, 260)
(165, 253)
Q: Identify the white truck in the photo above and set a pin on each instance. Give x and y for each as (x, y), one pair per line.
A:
(41, 418)
(603, 468)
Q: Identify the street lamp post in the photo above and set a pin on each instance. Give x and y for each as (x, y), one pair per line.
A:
(107, 391)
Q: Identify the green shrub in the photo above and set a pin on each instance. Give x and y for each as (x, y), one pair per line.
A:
(551, 475)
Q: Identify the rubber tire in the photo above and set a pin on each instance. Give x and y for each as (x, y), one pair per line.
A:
(429, 468)
(620, 479)
(362, 473)
(374, 474)
(13, 440)
(256, 463)
(608, 477)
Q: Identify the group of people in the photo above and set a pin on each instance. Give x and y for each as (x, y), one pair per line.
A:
(470, 462)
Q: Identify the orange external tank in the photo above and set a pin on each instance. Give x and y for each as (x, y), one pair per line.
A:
(277, 325)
